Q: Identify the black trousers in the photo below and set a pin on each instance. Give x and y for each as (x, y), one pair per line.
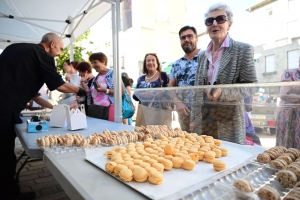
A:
(9, 187)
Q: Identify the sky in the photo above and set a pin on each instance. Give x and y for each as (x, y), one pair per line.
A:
(240, 29)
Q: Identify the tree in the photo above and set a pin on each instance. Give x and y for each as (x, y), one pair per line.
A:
(78, 52)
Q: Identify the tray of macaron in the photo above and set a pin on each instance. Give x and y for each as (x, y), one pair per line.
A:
(258, 179)
(155, 166)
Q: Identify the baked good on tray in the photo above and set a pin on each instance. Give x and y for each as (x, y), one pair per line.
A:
(268, 193)
(243, 185)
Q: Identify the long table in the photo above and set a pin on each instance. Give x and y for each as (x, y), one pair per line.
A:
(28, 140)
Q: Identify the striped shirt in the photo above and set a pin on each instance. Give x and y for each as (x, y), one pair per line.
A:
(214, 60)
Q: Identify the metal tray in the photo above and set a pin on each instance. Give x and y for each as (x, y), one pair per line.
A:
(222, 189)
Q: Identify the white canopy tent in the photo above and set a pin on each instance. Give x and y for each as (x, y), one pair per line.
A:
(28, 21)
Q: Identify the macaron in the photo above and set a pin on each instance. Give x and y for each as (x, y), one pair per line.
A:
(219, 165)
(126, 175)
(140, 175)
(110, 166)
(188, 164)
(155, 177)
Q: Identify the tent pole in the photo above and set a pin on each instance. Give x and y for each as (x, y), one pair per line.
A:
(115, 10)
(71, 42)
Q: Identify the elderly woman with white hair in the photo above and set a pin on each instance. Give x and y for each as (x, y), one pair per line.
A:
(225, 61)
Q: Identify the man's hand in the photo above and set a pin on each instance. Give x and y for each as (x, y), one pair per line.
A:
(68, 77)
(182, 109)
(213, 94)
(28, 107)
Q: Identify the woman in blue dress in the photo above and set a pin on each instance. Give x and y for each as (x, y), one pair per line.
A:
(153, 77)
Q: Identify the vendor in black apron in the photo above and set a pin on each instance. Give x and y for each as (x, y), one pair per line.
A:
(24, 68)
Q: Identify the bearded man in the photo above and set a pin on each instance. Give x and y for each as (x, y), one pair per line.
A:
(183, 74)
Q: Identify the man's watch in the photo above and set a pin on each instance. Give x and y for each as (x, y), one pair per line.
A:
(107, 91)
(81, 92)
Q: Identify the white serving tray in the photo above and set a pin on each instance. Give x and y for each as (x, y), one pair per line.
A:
(180, 182)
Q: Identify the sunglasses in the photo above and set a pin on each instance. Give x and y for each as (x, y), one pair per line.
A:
(189, 36)
(221, 19)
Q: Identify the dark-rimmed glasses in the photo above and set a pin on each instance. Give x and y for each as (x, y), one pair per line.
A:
(189, 36)
(221, 19)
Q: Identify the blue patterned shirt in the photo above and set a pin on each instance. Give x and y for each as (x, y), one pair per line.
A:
(184, 72)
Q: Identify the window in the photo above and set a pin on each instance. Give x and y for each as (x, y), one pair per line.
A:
(293, 29)
(269, 12)
(270, 63)
(162, 11)
(293, 59)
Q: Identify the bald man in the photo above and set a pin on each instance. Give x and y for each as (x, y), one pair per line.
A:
(24, 68)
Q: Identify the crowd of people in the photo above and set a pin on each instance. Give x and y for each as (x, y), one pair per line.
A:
(24, 68)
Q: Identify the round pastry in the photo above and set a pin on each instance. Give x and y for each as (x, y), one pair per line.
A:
(153, 156)
(188, 164)
(295, 169)
(110, 166)
(177, 162)
(118, 168)
(243, 185)
(116, 157)
(218, 153)
(217, 142)
(224, 151)
(286, 158)
(119, 161)
(126, 175)
(286, 178)
(219, 165)
(209, 156)
(158, 166)
(149, 168)
(201, 155)
(169, 157)
(194, 157)
(186, 157)
(169, 149)
(109, 154)
(159, 159)
(140, 175)
(136, 156)
(128, 163)
(126, 155)
(145, 158)
(155, 177)
(273, 154)
(133, 167)
(294, 151)
(278, 164)
(168, 164)
(268, 193)
(144, 164)
(152, 161)
(122, 151)
(137, 161)
(262, 158)
(128, 159)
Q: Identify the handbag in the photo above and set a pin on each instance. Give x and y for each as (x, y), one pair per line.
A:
(127, 105)
(148, 115)
(100, 112)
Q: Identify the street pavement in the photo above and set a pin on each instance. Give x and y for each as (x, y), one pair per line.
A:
(36, 177)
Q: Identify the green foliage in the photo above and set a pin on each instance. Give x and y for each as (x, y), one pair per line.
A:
(78, 52)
